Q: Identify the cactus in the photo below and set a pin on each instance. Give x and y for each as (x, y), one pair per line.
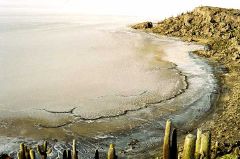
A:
(166, 142)
(198, 144)
(215, 150)
(96, 155)
(174, 148)
(43, 150)
(21, 153)
(32, 154)
(69, 154)
(205, 145)
(111, 152)
(5, 156)
(74, 150)
(189, 147)
(65, 154)
(25, 153)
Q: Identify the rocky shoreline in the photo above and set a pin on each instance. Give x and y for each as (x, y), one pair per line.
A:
(219, 30)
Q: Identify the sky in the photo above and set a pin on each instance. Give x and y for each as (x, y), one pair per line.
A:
(157, 8)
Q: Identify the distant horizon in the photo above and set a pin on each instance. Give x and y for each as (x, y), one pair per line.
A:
(147, 9)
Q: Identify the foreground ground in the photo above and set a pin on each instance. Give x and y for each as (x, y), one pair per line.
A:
(219, 30)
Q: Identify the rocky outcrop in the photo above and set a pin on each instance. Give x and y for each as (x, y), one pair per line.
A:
(218, 27)
(144, 25)
(203, 22)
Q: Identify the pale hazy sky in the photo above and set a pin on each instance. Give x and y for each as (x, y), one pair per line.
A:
(158, 8)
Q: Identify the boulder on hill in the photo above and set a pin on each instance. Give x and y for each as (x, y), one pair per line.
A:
(144, 25)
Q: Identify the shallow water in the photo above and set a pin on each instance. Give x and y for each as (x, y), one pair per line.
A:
(96, 80)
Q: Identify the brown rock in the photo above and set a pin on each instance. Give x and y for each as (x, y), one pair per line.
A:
(144, 25)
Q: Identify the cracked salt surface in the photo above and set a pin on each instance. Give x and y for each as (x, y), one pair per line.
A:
(99, 85)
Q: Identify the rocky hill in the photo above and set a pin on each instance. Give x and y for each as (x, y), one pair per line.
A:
(218, 27)
(203, 22)
(219, 30)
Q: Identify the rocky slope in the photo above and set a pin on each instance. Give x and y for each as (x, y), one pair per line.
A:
(219, 30)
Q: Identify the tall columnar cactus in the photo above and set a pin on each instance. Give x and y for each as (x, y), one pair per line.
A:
(215, 150)
(32, 154)
(198, 144)
(65, 155)
(44, 150)
(69, 154)
(205, 145)
(25, 152)
(96, 155)
(111, 152)
(174, 148)
(74, 150)
(166, 142)
(189, 147)
(21, 152)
